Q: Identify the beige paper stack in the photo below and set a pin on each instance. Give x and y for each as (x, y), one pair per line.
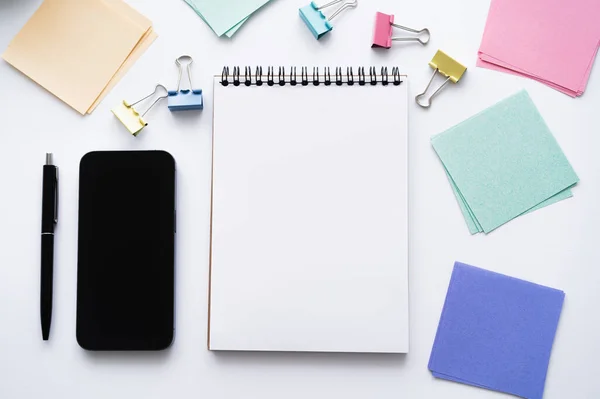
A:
(79, 49)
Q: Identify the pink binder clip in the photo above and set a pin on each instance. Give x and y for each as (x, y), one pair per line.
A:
(384, 24)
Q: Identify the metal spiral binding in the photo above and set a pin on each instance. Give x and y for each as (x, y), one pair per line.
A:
(270, 74)
(304, 76)
(282, 78)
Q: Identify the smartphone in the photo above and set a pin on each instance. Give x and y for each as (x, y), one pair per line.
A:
(126, 251)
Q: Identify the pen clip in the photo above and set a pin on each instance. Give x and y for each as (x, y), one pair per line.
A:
(56, 197)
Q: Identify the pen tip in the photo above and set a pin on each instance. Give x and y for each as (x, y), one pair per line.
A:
(48, 158)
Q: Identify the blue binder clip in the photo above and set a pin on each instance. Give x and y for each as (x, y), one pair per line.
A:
(185, 99)
(317, 22)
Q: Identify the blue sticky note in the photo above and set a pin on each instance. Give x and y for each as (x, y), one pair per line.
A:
(496, 332)
(315, 20)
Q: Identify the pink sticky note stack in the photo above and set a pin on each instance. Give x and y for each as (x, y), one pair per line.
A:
(552, 41)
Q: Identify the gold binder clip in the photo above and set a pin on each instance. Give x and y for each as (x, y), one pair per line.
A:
(447, 66)
(130, 117)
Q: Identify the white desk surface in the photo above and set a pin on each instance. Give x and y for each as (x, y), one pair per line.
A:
(556, 246)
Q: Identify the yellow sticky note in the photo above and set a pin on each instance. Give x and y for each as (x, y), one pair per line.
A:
(124, 9)
(74, 48)
(145, 42)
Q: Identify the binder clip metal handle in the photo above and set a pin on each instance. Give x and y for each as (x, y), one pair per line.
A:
(347, 4)
(427, 104)
(419, 33)
(189, 72)
(158, 86)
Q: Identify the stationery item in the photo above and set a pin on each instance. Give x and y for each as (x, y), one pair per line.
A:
(230, 32)
(382, 36)
(504, 162)
(447, 67)
(496, 332)
(49, 220)
(78, 50)
(309, 224)
(126, 256)
(185, 99)
(317, 22)
(130, 117)
(149, 37)
(472, 223)
(566, 41)
(225, 17)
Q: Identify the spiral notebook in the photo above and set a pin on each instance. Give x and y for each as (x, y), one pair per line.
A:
(309, 225)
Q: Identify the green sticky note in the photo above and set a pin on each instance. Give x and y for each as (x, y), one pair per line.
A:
(233, 30)
(473, 224)
(224, 16)
(504, 162)
(229, 33)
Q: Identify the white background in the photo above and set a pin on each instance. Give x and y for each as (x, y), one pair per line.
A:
(556, 246)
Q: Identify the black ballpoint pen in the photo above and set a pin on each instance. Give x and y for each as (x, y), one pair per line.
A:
(49, 220)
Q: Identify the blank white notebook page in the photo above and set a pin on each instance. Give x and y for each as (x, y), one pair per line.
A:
(309, 248)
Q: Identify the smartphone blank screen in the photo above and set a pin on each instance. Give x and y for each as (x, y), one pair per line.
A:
(126, 250)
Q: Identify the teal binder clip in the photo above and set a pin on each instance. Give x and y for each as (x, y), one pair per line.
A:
(317, 22)
(185, 99)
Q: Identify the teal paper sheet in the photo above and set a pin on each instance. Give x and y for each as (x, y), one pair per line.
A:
(473, 224)
(229, 33)
(225, 16)
(233, 30)
(504, 162)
